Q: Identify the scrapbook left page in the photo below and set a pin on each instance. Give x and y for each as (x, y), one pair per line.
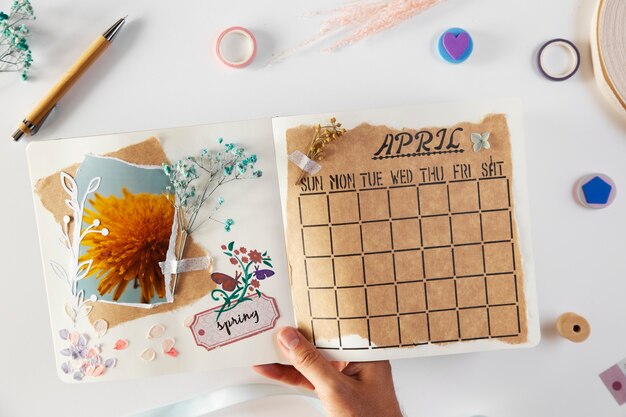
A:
(162, 250)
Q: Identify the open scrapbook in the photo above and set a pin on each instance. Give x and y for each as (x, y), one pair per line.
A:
(380, 234)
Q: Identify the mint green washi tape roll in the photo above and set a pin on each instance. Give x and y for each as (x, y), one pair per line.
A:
(226, 397)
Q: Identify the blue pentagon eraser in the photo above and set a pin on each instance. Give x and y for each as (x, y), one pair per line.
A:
(595, 191)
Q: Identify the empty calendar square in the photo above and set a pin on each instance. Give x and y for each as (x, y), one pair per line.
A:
(474, 323)
(403, 202)
(346, 239)
(463, 196)
(384, 331)
(413, 329)
(408, 265)
(344, 207)
(501, 289)
(471, 292)
(313, 209)
(381, 300)
(411, 297)
(440, 294)
(376, 237)
(323, 303)
(316, 241)
(326, 333)
(436, 231)
(499, 257)
(374, 204)
(443, 326)
(319, 272)
(438, 263)
(504, 320)
(355, 333)
(468, 260)
(433, 199)
(497, 225)
(466, 228)
(351, 302)
(494, 194)
(349, 270)
(379, 268)
(406, 234)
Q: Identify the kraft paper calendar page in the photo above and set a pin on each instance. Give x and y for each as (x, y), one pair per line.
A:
(413, 237)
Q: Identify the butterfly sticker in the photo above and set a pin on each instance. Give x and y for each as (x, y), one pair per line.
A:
(261, 274)
(480, 141)
(227, 282)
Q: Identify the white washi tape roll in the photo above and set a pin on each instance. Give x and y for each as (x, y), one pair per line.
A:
(304, 163)
(236, 47)
(608, 50)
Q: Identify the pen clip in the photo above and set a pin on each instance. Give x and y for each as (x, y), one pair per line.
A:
(35, 128)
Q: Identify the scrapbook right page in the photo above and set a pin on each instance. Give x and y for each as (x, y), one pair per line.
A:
(408, 230)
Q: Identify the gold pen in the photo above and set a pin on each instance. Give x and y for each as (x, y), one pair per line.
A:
(31, 124)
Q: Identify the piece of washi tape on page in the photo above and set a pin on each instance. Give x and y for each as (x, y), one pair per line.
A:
(224, 398)
(236, 47)
(608, 50)
(304, 163)
(185, 265)
(615, 381)
(574, 62)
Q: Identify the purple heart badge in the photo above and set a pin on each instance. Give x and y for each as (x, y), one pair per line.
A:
(455, 45)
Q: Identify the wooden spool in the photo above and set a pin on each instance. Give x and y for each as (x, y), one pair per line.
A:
(573, 327)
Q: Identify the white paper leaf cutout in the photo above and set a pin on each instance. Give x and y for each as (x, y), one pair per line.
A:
(80, 297)
(188, 321)
(100, 326)
(58, 270)
(87, 310)
(156, 331)
(72, 204)
(69, 310)
(168, 344)
(93, 185)
(148, 355)
(83, 269)
(69, 185)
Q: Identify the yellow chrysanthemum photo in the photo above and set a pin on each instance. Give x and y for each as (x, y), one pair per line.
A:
(139, 228)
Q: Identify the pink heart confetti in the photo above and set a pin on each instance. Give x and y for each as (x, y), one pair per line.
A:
(172, 352)
(74, 337)
(99, 370)
(121, 344)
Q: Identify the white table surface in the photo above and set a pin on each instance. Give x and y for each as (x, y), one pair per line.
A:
(162, 72)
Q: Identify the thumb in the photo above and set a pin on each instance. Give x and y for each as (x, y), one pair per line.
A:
(307, 360)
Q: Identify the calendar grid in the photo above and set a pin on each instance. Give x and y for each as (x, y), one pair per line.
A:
(459, 284)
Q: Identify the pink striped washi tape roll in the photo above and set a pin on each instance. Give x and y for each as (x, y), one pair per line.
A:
(240, 38)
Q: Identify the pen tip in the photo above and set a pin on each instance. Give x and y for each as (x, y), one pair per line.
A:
(17, 135)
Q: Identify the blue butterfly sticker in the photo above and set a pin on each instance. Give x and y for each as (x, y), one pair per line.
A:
(480, 141)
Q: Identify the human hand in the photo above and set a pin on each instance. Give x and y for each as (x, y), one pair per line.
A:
(346, 389)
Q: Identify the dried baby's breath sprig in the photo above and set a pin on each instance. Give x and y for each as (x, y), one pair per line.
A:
(323, 136)
(15, 53)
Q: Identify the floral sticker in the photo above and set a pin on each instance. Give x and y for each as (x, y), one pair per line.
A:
(251, 268)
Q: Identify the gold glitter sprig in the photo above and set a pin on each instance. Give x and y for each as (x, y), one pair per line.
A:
(323, 136)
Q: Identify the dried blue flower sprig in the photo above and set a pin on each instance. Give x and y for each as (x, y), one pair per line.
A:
(195, 180)
(15, 53)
